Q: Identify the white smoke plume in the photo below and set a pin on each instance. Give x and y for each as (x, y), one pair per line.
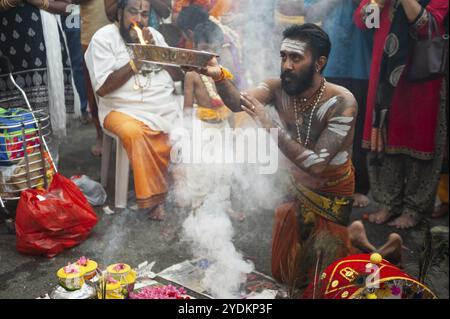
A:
(210, 232)
(211, 190)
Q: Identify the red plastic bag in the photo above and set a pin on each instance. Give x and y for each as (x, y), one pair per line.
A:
(50, 221)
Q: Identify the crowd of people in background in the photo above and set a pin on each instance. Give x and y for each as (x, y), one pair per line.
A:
(399, 152)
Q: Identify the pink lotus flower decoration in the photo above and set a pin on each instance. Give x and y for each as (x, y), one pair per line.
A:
(83, 261)
(71, 269)
(119, 267)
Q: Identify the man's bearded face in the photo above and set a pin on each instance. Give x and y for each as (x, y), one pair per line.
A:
(136, 12)
(297, 67)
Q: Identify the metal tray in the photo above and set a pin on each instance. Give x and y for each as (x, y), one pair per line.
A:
(171, 56)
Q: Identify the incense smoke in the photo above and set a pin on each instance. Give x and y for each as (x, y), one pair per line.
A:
(210, 191)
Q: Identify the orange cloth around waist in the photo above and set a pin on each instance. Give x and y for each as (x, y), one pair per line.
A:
(335, 181)
(341, 180)
(149, 154)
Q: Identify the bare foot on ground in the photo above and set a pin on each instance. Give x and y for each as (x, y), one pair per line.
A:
(96, 149)
(158, 213)
(405, 221)
(358, 237)
(380, 217)
(360, 200)
(392, 249)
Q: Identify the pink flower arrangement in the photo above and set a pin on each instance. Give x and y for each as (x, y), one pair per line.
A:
(83, 261)
(71, 269)
(119, 267)
(160, 292)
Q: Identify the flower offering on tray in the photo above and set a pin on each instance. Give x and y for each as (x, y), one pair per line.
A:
(159, 292)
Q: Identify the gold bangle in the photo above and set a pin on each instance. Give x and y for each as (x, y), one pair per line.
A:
(133, 67)
(45, 5)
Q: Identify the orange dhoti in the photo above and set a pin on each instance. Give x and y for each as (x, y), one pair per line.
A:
(149, 154)
(311, 232)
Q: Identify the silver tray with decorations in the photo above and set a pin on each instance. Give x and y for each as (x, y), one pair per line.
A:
(87, 291)
(171, 56)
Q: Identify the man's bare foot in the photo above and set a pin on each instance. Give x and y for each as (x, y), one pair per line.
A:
(358, 237)
(360, 200)
(236, 216)
(392, 249)
(96, 149)
(440, 211)
(405, 221)
(158, 213)
(380, 217)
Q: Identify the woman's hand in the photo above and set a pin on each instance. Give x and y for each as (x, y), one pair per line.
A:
(256, 110)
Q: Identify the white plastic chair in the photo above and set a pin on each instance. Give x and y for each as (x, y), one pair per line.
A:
(122, 168)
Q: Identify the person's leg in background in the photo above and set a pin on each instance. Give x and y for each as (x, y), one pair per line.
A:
(96, 149)
(422, 179)
(73, 35)
(359, 89)
(387, 186)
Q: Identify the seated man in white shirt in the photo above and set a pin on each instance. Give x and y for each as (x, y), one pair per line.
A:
(136, 100)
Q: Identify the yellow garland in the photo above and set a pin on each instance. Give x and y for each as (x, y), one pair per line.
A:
(208, 114)
(225, 74)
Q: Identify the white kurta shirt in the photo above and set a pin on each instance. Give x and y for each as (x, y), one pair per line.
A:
(155, 105)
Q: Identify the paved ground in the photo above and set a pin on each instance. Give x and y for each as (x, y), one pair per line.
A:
(132, 238)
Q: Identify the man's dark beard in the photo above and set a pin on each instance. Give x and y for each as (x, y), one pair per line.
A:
(125, 31)
(297, 85)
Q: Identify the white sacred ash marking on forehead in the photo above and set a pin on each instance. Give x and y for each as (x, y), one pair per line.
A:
(340, 158)
(325, 107)
(294, 46)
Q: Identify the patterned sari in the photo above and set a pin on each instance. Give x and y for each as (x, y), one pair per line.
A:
(22, 41)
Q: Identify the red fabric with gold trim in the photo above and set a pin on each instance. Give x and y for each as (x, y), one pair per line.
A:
(357, 277)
